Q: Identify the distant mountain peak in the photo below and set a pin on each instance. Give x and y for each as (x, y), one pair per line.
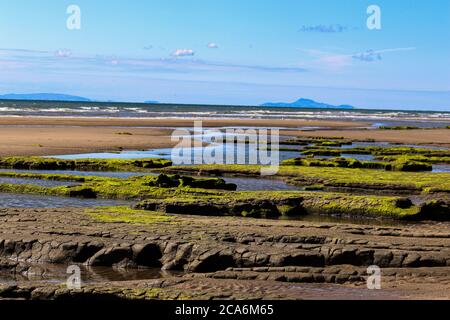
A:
(44, 96)
(306, 104)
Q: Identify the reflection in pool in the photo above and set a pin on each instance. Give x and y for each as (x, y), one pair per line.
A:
(37, 182)
(441, 167)
(84, 173)
(13, 200)
(167, 154)
(55, 273)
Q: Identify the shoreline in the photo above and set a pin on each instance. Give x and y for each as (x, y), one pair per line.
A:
(173, 122)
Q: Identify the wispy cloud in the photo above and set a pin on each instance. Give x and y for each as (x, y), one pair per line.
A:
(213, 45)
(16, 50)
(338, 61)
(51, 62)
(376, 55)
(322, 28)
(184, 53)
(368, 56)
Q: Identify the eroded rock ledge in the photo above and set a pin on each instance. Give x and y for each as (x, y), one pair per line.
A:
(225, 248)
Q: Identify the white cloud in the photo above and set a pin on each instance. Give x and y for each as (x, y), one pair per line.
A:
(213, 45)
(372, 55)
(338, 61)
(184, 53)
(63, 53)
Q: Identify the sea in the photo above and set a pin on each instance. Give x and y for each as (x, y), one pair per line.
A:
(423, 119)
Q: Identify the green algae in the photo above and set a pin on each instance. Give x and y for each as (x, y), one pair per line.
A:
(322, 152)
(339, 177)
(373, 206)
(396, 165)
(317, 141)
(416, 158)
(247, 203)
(376, 151)
(40, 163)
(120, 214)
(332, 143)
(388, 158)
(138, 187)
(276, 204)
(55, 177)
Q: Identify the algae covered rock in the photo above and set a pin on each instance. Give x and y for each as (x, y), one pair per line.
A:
(403, 203)
(81, 192)
(411, 166)
(435, 210)
(40, 163)
(174, 181)
(256, 208)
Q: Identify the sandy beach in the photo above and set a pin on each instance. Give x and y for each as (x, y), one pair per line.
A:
(40, 141)
(36, 136)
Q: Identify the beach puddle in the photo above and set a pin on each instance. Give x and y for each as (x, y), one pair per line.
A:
(13, 200)
(260, 184)
(196, 156)
(117, 174)
(441, 168)
(359, 157)
(348, 220)
(37, 182)
(55, 273)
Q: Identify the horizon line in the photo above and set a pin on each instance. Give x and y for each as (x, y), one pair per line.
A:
(222, 105)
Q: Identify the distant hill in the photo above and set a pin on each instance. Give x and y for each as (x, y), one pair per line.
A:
(306, 103)
(44, 96)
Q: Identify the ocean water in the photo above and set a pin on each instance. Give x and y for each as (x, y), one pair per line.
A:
(137, 110)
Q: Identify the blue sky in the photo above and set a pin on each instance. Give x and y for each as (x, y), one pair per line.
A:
(231, 51)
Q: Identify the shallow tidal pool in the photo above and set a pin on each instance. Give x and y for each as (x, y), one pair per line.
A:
(13, 200)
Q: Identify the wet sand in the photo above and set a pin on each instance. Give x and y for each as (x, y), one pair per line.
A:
(39, 136)
(43, 141)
